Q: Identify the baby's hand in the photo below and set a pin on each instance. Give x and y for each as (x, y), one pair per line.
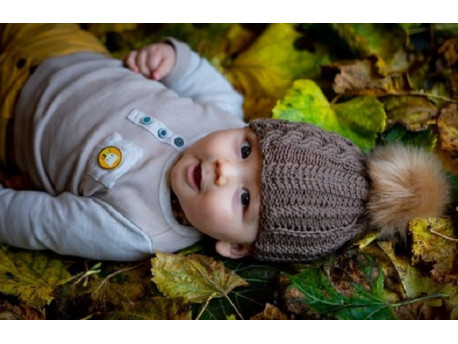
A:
(154, 61)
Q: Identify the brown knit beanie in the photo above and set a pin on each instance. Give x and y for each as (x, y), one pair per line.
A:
(314, 191)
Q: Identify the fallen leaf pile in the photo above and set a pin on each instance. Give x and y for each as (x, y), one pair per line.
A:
(372, 83)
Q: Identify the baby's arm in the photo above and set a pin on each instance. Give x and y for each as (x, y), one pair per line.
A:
(69, 225)
(194, 77)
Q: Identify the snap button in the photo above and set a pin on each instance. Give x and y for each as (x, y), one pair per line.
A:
(178, 141)
(162, 133)
(146, 120)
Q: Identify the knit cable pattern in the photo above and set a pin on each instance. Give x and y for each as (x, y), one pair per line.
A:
(314, 191)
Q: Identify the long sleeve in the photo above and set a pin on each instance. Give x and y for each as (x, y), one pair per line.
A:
(194, 77)
(69, 225)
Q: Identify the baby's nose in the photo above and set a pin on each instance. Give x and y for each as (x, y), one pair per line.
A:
(221, 175)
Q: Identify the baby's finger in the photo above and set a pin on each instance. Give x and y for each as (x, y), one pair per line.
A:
(129, 61)
(162, 70)
(154, 62)
(141, 61)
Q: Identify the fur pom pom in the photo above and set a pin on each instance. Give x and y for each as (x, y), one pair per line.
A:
(407, 182)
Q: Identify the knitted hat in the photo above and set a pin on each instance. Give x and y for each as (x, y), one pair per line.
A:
(313, 188)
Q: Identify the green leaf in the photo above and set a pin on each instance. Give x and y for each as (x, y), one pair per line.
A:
(359, 119)
(249, 300)
(415, 113)
(31, 276)
(365, 300)
(398, 133)
(196, 278)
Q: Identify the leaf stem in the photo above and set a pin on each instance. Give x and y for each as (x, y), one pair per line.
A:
(427, 297)
(419, 93)
(235, 308)
(204, 307)
(105, 280)
(446, 237)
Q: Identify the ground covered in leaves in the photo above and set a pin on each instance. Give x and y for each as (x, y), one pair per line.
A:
(373, 83)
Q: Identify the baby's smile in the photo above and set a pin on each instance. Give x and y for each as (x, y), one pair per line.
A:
(195, 175)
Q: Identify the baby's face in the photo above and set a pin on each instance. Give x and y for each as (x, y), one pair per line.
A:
(217, 182)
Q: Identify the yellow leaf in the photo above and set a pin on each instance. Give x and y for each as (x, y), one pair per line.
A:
(413, 282)
(196, 278)
(433, 243)
(31, 276)
(271, 64)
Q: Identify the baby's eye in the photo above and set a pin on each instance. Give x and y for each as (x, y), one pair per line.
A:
(245, 149)
(245, 198)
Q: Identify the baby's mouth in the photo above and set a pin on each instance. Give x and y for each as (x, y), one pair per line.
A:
(197, 176)
(194, 175)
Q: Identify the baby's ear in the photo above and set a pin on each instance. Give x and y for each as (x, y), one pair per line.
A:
(234, 251)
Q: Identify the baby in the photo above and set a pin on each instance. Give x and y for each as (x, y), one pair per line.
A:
(128, 159)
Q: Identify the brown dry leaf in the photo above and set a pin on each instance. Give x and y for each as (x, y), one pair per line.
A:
(19, 312)
(447, 123)
(416, 113)
(270, 312)
(433, 243)
(450, 51)
(361, 77)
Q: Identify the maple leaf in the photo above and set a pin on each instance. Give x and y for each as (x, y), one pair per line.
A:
(32, 276)
(195, 277)
(359, 119)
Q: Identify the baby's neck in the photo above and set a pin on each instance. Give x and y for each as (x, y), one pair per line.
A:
(177, 211)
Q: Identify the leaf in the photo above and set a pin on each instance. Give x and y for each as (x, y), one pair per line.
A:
(414, 283)
(363, 300)
(398, 133)
(270, 65)
(447, 124)
(31, 276)
(361, 77)
(450, 51)
(196, 278)
(415, 113)
(19, 312)
(359, 119)
(250, 299)
(156, 308)
(386, 41)
(433, 243)
(270, 313)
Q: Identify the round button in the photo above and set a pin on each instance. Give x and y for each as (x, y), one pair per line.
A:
(178, 141)
(162, 133)
(110, 157)
(146, 120)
